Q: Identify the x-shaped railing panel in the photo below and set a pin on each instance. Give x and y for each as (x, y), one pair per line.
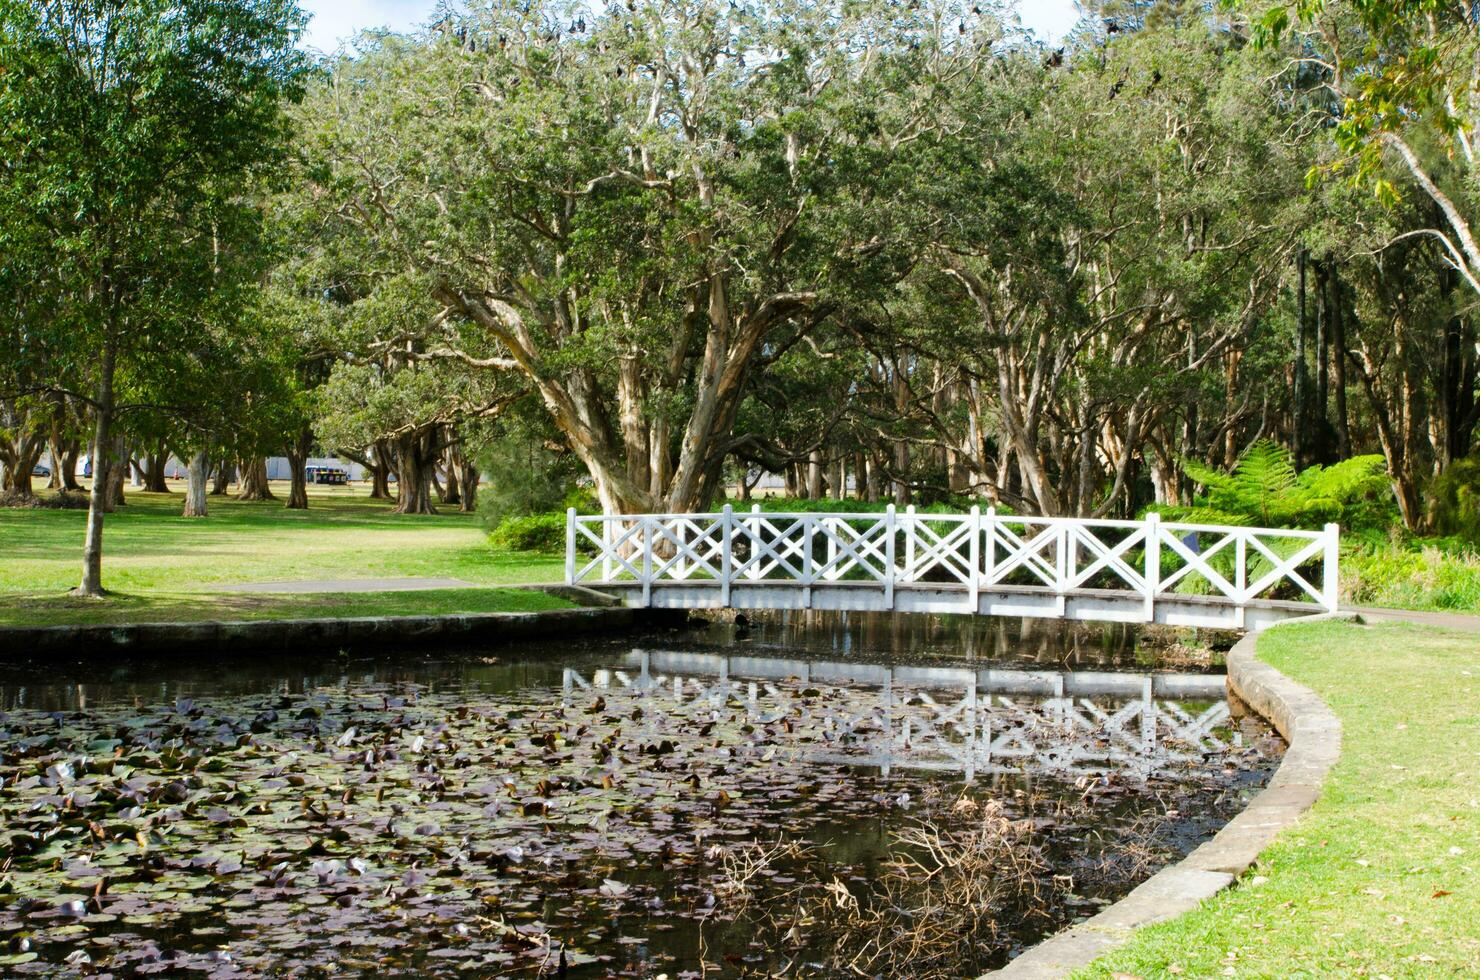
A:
(946, 550)
(1148, 559)
(678, 567)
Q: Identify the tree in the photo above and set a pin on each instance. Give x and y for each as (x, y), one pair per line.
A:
(130, 128)
(1405, 73)
(628, 207)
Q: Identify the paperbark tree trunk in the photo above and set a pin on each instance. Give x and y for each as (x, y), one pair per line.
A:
(154, 475)
(380, 471)
(581, 411)
(223, 473)
(298, 452)
(452, 485)
(68, 466)
(20, 462)
(54, 455)
(197, 474)
(254, 483)
(468, 477)
(415, 456)
(117, 475)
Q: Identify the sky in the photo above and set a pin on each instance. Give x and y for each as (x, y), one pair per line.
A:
(336, 20)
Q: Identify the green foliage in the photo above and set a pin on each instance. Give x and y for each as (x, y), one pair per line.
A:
(530, 532)
(1263, 489)
(1454, 500)
(527, 478)
(1438, 573)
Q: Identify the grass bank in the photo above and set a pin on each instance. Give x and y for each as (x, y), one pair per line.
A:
(160, 565)
(1382, 876)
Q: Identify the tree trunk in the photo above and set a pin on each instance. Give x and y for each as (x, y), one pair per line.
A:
(254, 484)
(298, 452)
(197, 474)
(68, 465)
(415, 458)
(467, 484)
(452, 486)
(117, 476)
(1298, 408)
(98, 500)
(154, 475)
(19, 463)
(223, 473)
(814, 475)
(54, 454)
(634, 427)
(380, 486)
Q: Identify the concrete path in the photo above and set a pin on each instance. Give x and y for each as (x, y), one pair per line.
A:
(1448, 620)
(350, 585)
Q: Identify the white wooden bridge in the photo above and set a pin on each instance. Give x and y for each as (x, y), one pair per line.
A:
(979, 562)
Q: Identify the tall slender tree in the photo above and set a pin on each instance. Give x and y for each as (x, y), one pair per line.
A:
(129, 130)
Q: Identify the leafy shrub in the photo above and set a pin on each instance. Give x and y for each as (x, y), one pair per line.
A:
(530, 532)
(1454, 500)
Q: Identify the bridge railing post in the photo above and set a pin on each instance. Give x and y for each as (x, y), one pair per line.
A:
(809, 573)
(990, 572)
(646, 530)
(570, 546)
(727, 560)
(1153, 563)
(889, 531)
(909, 543)
(974, 556)
(754, 526)
(1331, 567)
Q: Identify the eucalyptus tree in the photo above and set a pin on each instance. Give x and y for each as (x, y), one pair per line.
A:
(629, 207)
(130, 128)
(1405, 71)
(1106, 250)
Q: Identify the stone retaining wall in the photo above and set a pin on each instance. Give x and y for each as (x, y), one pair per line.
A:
(293, 635)
(1314, 735)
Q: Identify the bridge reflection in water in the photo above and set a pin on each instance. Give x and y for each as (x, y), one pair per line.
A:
(950, 719)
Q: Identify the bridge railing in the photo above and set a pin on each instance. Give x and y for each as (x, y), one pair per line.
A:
(970, 552)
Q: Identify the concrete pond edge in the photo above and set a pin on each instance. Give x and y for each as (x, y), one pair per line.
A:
(1313, 733)
(302, 635)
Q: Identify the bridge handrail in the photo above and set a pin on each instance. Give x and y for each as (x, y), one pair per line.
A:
(977, 550)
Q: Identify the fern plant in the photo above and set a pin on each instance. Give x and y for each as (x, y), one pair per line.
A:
(1264, 488)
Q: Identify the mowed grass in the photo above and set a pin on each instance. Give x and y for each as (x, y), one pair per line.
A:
(1382, 876)
(161, 566)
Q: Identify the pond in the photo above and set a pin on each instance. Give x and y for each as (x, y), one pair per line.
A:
(808, 796)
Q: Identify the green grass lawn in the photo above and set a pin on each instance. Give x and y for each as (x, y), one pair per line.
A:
(163, 566)
(1382, 876)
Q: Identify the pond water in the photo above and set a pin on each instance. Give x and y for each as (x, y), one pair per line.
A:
(807, 796)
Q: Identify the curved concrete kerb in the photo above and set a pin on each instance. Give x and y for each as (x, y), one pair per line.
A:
(1314, 736)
